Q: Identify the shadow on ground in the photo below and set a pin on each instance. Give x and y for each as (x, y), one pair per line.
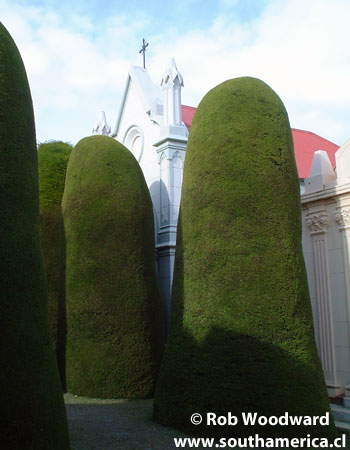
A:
(96, 424)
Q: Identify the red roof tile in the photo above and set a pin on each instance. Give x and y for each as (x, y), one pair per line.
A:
(305, 144)
(187, 114)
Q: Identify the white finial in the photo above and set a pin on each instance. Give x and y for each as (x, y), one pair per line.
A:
(102, 127)
(172, 74)
(171, 83)
(321, 172)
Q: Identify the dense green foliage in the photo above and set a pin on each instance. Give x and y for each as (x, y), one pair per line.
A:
(52, 160)
(114, 326)
(32, 407)
(241, 330)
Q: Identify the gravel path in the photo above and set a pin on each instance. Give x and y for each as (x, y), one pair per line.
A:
(96, 424)
(116, 425)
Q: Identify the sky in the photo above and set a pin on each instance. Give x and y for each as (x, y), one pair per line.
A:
(77, 54)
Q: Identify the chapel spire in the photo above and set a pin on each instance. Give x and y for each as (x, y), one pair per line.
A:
(171, 83)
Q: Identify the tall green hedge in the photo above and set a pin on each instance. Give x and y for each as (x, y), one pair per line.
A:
(114, 338)
(32, 409)
(53, 159)
(241, 329)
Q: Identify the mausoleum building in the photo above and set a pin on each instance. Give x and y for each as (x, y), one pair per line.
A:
(154, 125)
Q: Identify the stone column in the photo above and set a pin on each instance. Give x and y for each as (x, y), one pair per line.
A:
(171, 148)
(171, 154)
(342, 217)
(317, 223)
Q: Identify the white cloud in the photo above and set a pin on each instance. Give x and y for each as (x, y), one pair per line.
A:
(71, 76)
(299, 48)
(77, 64)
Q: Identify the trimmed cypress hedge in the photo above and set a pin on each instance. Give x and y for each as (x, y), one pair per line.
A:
(32, 408)
(114, 335)
(53, 159)
(241, 330)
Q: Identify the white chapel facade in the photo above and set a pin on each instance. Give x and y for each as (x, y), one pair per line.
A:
(150, 124)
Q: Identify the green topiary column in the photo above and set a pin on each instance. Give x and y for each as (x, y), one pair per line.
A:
(241, 330)
(32, 409)
(53, 159)
(114, 339)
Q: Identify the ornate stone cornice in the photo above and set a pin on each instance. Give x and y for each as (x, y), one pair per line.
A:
(317, 223)
(342, 217)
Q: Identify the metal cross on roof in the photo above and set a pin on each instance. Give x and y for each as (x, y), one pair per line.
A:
(143, 51)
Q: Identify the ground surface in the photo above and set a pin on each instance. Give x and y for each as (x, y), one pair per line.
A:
(96, 424)
(116, 425)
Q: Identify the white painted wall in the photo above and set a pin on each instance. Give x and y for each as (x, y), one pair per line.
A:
(326, 239)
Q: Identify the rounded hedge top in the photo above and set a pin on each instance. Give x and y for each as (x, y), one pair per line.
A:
(32, 413)
(241, 330)
(53, 159)
(113, 303)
